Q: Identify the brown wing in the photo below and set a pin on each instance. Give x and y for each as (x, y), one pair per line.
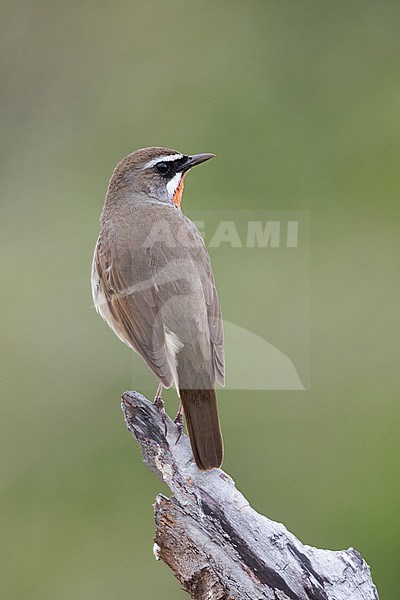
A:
(127, 300)
(215, 323)
(213, 307)
(134, 312)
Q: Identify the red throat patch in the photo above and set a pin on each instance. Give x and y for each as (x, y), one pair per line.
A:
(178, 193)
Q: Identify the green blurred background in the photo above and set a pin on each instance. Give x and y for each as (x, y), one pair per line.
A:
(300, 102)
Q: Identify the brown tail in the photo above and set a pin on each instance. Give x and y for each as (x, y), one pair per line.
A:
(202, 423)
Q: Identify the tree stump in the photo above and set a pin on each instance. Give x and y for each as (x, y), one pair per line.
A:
(217, 546)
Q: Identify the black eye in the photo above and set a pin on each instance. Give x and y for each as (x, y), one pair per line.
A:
(163, 167)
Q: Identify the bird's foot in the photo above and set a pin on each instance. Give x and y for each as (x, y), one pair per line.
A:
(179, 423)
(159, 404)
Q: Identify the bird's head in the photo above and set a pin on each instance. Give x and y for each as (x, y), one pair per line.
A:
(155, 172)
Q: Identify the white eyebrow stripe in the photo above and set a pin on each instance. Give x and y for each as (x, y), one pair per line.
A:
(168, 158)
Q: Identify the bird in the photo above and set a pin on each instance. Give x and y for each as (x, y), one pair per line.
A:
(153, 284)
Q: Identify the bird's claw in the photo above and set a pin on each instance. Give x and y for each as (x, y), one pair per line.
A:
(179, 425)
(159, 404)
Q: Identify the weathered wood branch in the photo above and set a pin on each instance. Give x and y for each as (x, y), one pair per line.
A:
(217, 546)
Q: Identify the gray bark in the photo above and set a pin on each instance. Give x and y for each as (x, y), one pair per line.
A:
(217, 546)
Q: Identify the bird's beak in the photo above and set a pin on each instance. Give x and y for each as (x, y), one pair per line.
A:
(194, 160)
